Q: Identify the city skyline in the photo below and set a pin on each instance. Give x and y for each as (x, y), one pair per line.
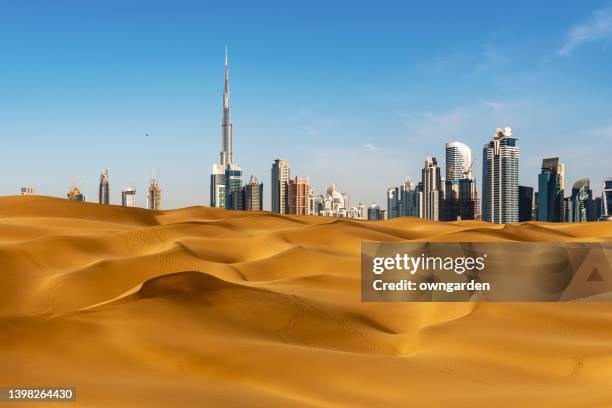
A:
(436, 197)
(144, 106)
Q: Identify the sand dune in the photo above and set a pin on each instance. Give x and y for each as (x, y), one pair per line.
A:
(205, 307)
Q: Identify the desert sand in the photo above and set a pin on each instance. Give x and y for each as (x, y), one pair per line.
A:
(202, 307)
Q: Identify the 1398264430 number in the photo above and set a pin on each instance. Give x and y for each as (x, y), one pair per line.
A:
(37, 394)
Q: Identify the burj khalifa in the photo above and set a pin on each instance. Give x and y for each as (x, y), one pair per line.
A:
(226, 123)
(226, 175)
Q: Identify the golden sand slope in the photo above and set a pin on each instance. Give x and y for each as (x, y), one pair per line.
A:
(204, 307)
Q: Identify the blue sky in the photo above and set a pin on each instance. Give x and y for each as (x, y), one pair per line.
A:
(352, 93)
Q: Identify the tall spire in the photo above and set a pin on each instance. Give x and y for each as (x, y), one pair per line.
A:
(226, 123)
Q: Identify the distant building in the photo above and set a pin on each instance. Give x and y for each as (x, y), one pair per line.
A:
(217, 186)
(154, 195)
(128, 197)
(393, 202)
(403, 200)
(500, 172)
(226, 176)
(460, 200)
(561, 172)
(568, 209)
(459, 197)
(332, 204)
(315, 202)
(458, 161)
(278, 186)
(421, 200)
(606, 198)
(238, 200)
(374, 212)
(581, 201)
(103, 192)
(233, 183)
(551, 190)
(408, 194)
(525, 203)
(253, 195)
(359, 212)
(75, 194)
(597, 209)
(27, 191)
(432, 185)
(297, 196)
(225, 157)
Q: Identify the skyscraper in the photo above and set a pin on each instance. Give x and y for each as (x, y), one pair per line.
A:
(460, 201)
(403, 200)
(154, 195)
(226, 176)
(393, 202)
(432, 185)
(568, 209)
(233, 184)
(551, 190)
(128, 197)
(500, 168)
(374, 212)
(606, 198)
(298, 193)
(561, 172)
(582, 196)
(408, 199)
(217, 186)
(525, 203)
(238, 198)
(253, 195)
(597, 209)
(458, 161)
(225, 157)
(278, 186)
(103, 192)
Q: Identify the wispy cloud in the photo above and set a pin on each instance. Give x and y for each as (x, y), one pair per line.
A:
(312, 125)
(494, 105)
(597, 27)
(601, 134)
(311, 131)
(472, 124)
(492, 60)
(370, 146)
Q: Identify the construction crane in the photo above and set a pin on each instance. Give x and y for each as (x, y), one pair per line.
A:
(469, 169)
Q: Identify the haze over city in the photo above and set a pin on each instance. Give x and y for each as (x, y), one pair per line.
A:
(137, 88)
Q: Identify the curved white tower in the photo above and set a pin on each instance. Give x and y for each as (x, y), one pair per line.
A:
(458, 161)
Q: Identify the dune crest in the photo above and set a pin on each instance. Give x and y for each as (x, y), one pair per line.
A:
(189, 283)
